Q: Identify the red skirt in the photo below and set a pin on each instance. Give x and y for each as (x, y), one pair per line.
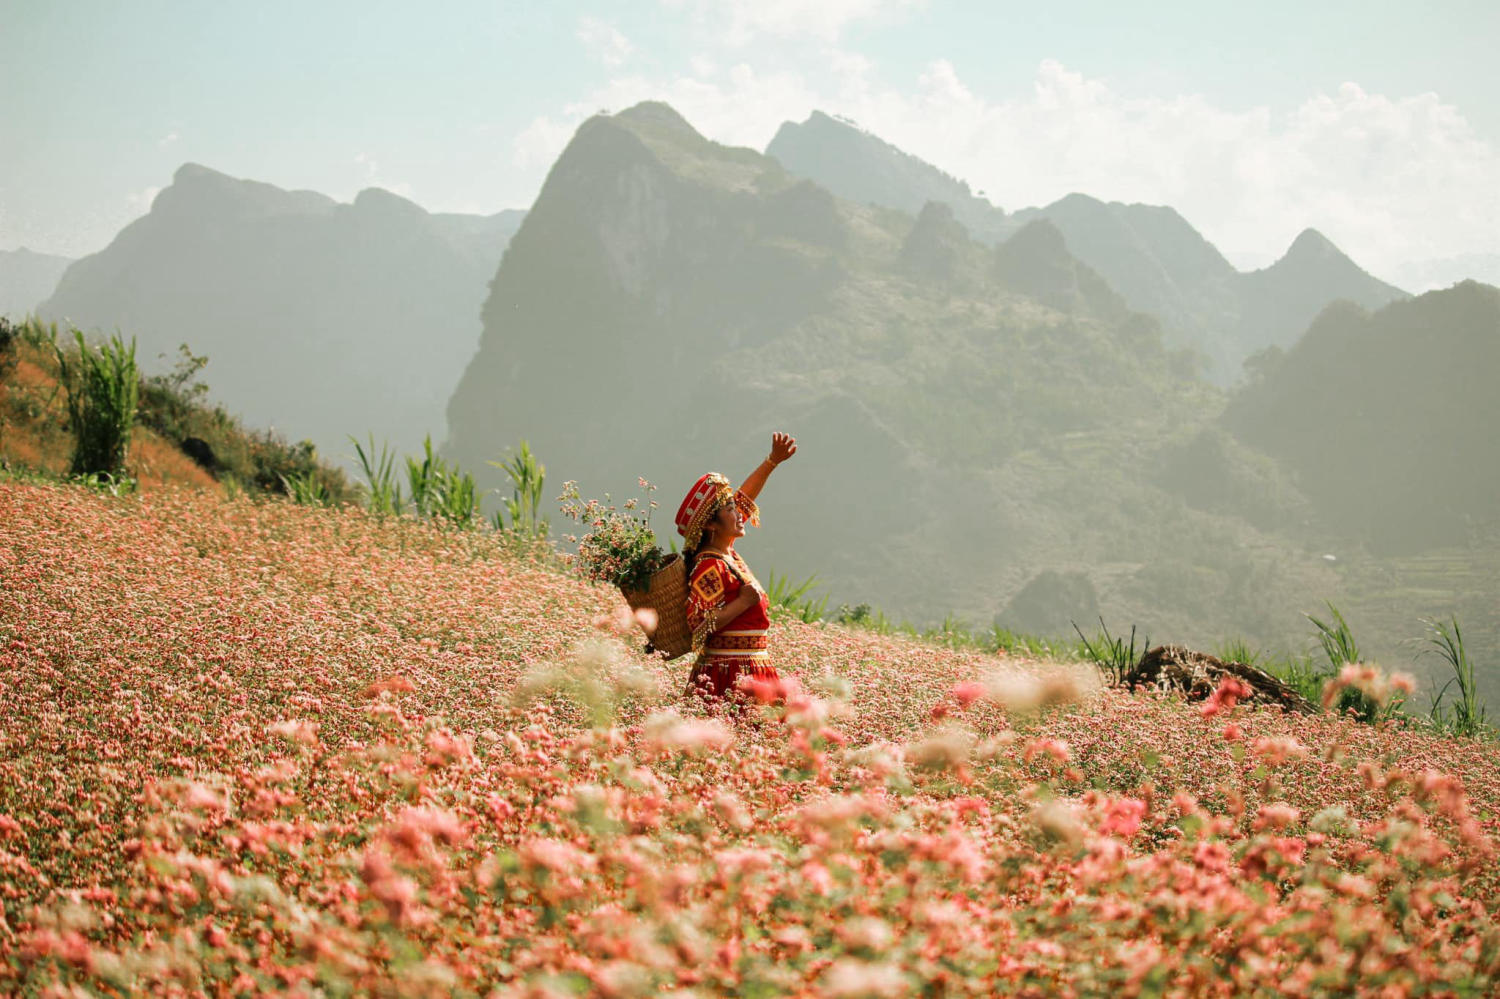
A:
(721, 677)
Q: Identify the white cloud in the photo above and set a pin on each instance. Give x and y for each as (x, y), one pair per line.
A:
(604, 41)
(167, 139)
(1390, 180)
(738, 22)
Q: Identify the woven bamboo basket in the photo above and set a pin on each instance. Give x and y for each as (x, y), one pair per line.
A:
(666, 594)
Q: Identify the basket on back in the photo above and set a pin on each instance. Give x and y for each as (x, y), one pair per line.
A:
(666, 594)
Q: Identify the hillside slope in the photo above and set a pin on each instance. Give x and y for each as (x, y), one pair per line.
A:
(259, 747)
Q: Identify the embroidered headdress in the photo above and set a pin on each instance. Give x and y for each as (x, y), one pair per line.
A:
(702, 502)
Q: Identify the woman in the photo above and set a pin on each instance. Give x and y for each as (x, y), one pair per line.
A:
(726, 605)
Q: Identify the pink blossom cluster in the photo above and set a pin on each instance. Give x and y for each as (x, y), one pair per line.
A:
(251, 748)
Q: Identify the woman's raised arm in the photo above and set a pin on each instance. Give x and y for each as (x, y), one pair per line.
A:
(783, 446)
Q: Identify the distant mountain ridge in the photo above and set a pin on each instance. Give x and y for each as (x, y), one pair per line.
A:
(318, 318)
(26, 279)
(1149, 254)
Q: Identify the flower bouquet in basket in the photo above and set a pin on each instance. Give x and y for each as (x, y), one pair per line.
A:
(619, 548)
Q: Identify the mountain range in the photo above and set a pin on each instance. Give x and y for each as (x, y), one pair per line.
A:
(1149, 254)
(319, 319)
(669, 301)
(26, 278)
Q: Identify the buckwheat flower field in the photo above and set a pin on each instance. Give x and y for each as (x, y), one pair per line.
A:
(255, 749)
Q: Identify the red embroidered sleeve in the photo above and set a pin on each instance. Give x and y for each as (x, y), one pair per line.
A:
(708, 591)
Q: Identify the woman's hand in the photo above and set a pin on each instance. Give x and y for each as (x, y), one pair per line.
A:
(783, 446)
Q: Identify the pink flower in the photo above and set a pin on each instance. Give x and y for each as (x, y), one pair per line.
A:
(1122, 817)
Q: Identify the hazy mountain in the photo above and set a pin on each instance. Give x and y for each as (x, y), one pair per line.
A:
(970, 416)
(1035, 262)
(824, 149)
(1150, 255)
(26, 279)
(318, 318)
(1388, 418)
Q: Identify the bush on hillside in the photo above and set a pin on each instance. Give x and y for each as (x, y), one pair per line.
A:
(8, 338)
(103, 386)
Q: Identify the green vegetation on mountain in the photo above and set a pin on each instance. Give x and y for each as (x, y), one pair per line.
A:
(1157, 262)
(1388, 420)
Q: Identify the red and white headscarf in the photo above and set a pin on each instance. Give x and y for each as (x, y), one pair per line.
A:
(702, 502)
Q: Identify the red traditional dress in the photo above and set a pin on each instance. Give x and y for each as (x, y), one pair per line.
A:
(732, 651)
(728, 651)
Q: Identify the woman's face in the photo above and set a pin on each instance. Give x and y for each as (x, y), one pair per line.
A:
(727, 524)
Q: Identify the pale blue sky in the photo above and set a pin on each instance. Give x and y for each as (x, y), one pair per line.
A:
(1239, 115)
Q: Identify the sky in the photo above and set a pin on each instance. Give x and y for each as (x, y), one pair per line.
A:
(1376, 122)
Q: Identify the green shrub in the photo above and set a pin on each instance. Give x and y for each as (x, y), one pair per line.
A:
(105, 483)
(380, 477)
(174, 405)
(441, 492)
(1337, 640)
(9, 336)
(306, 489)
(103, 387)
(525, 503)
(274, 463)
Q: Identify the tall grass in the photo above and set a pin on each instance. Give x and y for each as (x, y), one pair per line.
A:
(1237, 650)
(306, 489)
(439, 491)
(796, 597)
(525, 503)
(1340, 648)
(380, 477)
(103, 387)
(1111, 655)
(1003, 639)
(36, 333)
(1467, 717)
